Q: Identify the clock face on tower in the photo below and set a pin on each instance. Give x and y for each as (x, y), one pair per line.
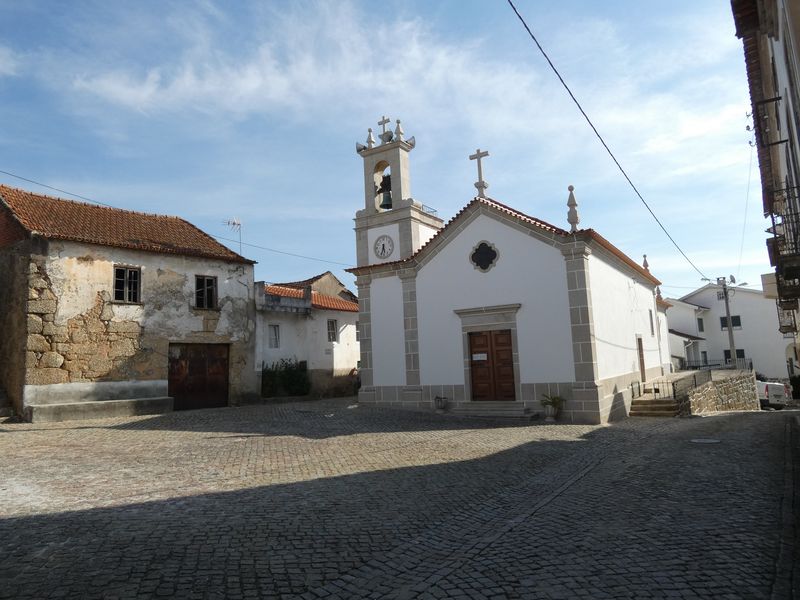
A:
(384, 246)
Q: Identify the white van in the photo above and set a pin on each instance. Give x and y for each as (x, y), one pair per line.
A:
(773, 394)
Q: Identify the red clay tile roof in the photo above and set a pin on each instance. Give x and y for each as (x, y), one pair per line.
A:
(56, 218)
(663, 303)
(322, 301)
(304, 282)
(591, 234)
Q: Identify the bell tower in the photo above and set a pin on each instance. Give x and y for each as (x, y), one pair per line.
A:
(392, 225)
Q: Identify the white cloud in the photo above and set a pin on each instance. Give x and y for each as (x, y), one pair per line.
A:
(9, 62)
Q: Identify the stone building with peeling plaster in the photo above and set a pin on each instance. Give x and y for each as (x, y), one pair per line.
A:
(490, 311)
(108, 311)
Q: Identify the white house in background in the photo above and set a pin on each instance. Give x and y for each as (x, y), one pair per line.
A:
(687, 342)
(496, 305)
(755, 328)
(315, 320)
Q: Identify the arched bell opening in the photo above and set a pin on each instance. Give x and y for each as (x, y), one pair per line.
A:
(382, 178)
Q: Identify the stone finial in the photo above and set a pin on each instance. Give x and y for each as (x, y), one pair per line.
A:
(645, 264)
(370, 139)
(398, 132)
(572, 213)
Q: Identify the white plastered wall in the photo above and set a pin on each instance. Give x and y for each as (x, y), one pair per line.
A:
(620, 305)
(528, 271)
(305, 337)
(388, 332)
(293, 344)
(663, 340)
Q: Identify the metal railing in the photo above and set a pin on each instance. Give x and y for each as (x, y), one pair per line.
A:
(429, 210)
(743, 364)
(682, 387)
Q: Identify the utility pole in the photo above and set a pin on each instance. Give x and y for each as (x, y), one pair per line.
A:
(724, 283)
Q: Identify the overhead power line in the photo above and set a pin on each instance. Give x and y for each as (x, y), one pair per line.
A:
(600, 137)
(87, 199)
(744, 221)
(50, 187)
(324, 260)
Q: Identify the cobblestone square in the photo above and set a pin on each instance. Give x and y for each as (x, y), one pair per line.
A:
(329, 499)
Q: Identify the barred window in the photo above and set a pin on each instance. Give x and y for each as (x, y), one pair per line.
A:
(274, 336)
(333, 330)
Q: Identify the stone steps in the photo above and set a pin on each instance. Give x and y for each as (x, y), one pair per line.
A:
(98, 409)
(651, 407)
(492, 409)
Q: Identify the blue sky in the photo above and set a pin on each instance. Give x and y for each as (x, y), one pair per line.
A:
(214, 110)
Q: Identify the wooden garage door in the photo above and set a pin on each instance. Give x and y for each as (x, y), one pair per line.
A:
(492, 365)
(198, 375)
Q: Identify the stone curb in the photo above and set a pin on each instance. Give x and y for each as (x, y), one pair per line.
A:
(786, 571)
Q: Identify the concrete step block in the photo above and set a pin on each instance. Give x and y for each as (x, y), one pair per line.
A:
(98, 409)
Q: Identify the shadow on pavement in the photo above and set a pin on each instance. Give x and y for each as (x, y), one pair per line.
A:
(283, 540)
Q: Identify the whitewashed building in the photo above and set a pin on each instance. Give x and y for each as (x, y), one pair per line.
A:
(313, 321)
(496, 306)
(687, 345)
(755, 328)
(108, 312)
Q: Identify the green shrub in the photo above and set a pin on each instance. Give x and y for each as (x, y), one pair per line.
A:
(287, 377)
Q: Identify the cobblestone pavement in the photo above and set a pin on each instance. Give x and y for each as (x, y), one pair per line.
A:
(332, 500)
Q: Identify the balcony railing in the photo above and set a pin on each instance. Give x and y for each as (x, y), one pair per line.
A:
(784, 247)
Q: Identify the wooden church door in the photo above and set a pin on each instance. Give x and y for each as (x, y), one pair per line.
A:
(492, 365)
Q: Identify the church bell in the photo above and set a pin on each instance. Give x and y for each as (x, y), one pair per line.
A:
(386, 190)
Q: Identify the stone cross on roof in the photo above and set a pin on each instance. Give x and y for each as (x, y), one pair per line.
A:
(480, 184)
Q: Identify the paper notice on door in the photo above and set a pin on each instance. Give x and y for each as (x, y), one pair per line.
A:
(481, 356)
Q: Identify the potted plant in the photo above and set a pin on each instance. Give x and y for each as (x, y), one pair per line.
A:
(552, 406)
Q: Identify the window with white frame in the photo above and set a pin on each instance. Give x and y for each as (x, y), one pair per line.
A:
(274, 336)
(736, 321)
(333, 330)
(700, 326)
(358, 331)
(652, 329)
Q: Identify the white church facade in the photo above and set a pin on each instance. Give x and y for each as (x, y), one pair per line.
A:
(495, 306)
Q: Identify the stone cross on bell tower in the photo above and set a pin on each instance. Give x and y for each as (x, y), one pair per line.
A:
(480, 184)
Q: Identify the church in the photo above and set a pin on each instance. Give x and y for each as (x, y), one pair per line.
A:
(495, 308)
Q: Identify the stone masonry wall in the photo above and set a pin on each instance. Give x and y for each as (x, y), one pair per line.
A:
(89, 347)
(13, 298)
(733, 393)
(74, 335)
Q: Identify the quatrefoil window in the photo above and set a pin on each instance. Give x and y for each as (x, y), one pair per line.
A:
(484, 256)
